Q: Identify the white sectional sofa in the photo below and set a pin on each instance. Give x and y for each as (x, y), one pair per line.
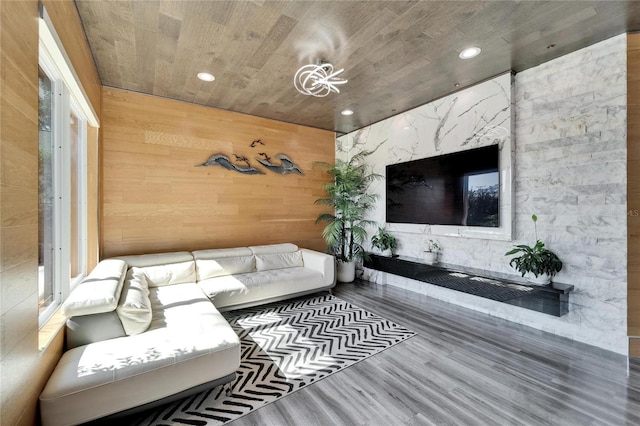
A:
(147, 329)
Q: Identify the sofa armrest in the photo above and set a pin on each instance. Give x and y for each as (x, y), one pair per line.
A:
(85, 329)
(321, 262)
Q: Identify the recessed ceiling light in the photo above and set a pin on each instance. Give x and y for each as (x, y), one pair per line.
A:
(470, 52)
(347, 112)
(456, 85)
(205, 76)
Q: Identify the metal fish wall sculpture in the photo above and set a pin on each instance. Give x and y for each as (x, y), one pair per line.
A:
(285, 167)
(224, 161)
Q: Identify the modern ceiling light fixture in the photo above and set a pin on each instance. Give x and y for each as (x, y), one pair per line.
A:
(470, 52)
(318, 80)
(347, 112)
(205, 76)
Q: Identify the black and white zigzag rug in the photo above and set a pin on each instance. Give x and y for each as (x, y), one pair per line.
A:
(285, 347)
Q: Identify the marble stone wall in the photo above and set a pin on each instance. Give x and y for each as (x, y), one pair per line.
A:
(569, 161)
(478, 116)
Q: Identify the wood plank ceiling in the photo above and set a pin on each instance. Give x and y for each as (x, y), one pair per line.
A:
(396, 54)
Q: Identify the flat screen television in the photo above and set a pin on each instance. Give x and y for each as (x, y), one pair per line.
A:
(461, 188)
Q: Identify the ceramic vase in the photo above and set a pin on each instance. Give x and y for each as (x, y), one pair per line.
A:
(542, 279)
(430, 257)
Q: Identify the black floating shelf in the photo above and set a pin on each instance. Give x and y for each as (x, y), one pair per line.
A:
(552, 299)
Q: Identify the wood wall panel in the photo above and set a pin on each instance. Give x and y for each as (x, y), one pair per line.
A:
(19, 371)
(634, 346)
(65, 18)
(155, 199)
(633, 191)
(24, 368)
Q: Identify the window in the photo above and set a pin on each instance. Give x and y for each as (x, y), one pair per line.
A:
(63, 116)
(45, 192)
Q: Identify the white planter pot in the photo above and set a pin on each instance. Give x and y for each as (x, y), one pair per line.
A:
(430, 257)
(542, 279)
(346, 272)
(387, 253)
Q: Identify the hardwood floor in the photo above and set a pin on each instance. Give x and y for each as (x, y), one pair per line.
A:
(463, 368)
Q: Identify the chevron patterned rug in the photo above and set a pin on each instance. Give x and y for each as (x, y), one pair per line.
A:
(285, 347)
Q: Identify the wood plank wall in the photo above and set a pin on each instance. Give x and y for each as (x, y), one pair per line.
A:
(19, 212)
(155, 199)
(24, 369)
(633, 193)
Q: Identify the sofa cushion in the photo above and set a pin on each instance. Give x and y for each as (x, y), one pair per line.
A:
(182, 308)
(142, 260)
(210, 268)
(266, 262)
(134, 308)
(274, 248)
(219, 253)
(169, 274)
(262, 285)
(219, 262)
(99, 291)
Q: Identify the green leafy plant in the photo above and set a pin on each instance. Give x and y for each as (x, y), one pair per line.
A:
(433, 246)
(347, 195)
(537, 260)
(384, 241)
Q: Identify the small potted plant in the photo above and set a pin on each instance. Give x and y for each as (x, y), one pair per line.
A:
(431, 253)
(385, 242)
(538, 264)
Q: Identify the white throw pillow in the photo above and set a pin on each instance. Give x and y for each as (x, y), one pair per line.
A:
(266, 262)
(134, 308)
(173, 273)
(211, 268)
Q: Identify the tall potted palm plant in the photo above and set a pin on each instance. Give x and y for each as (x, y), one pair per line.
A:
(348, 197)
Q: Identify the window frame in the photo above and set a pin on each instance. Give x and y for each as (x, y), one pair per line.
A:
(67, 97)
(83, 193)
